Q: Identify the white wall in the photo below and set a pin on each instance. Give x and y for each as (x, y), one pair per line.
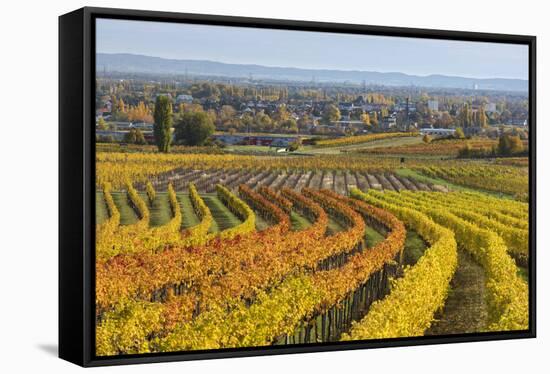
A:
(28, 182)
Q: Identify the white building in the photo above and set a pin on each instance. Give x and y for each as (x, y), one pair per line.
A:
(187, 99)
(389, 122)
(437, 132)
(491, 108)
(433, 105)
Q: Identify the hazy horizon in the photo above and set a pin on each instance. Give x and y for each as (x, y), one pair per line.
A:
(295, 67)
(240, 45)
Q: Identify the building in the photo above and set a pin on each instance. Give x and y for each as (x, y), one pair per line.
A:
(433, 105)
(389, 122)
(184, 99)
(491, 108)
(474, 130)
(349, 124)
(264, 140)
(437, 132)
(345, 106)
(517, 122)
(120, 126)
(142, 126)
(118, 136)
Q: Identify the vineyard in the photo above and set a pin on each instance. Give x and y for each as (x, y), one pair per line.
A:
(437, 148)
(362, 139)
(249, 208)
(513, 181)
(207, 251)
(446, 147)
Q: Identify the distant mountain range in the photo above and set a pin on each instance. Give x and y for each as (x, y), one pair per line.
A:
(130, 63)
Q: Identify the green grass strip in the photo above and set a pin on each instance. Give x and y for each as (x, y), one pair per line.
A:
(223, 217)
(128, 215)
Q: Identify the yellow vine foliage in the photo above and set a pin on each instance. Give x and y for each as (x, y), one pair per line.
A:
(414, 299)
(516, 239)
(279, 309)
(508, 296)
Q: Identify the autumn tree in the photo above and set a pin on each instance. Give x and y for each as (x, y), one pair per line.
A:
(263, 122)
(140, 113)
(281, 114)
(193, 128)
(227, 115)
(331, 114)
(134, 136)
(289, 126)
(247, 121)
(304, 121)
(465, 117)
(185, 107)
(162, 128)
(445, 120)
(374, 119)
(365, 118)
(481, 117)
(509, 145)
(295, 145)
(121, 107)
(101, 124)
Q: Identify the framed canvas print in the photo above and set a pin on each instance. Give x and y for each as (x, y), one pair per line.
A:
(236, 186)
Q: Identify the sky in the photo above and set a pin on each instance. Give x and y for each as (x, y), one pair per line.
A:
(312, 50)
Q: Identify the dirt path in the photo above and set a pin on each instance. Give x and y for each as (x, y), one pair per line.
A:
(465, 310)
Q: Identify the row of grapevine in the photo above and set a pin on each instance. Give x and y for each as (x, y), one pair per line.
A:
(508, 296)
(141, 209)
(114, 238)
(151, 193)
(281, 201)
(497, 178)
(139, 237)
(173, 226)
(198, 234)
(118, 168)
(410, 307)
(516, 239)
(339, 246)
(497, 209)
(266, 209)
(240, 209)
(180, 305)
(111, 224)
(297, 299)
(129, 275)
(333, 294)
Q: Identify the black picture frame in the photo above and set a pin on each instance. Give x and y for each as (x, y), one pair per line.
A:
(77, 173)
